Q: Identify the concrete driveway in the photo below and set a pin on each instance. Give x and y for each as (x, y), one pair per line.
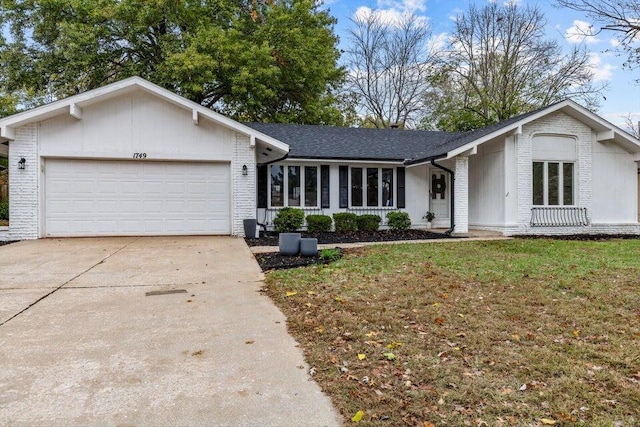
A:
(82, 342)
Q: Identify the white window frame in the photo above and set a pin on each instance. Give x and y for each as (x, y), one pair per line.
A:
(394, 187)
(545, 182)
(285, 185)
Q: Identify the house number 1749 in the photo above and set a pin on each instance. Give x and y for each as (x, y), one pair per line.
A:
(139, 155)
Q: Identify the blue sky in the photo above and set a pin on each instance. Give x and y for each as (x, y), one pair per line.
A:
(622, 95)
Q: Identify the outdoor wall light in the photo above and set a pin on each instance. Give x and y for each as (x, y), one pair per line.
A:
(21, 163)
(245, 171)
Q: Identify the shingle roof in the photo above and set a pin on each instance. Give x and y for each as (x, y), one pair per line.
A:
(409, 146)
(330, 142)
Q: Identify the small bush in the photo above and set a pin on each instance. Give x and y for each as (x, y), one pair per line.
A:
(369, 222)
(330, 254)
(4, 209)
(398, 220)
(288, 220)
(319, 223)
(345, 221)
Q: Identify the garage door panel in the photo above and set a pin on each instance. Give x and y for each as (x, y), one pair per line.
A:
(87, 197)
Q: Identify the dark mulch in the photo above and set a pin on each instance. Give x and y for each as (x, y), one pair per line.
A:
(585, 237)
(271, 238)
(6, 242)
(276, 261)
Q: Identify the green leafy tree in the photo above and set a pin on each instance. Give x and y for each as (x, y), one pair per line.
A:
(260, 60)
(499, 64)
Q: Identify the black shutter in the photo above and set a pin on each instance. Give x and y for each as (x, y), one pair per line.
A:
(344, 186)
(325, 198)
(262, 185)
(400, 173)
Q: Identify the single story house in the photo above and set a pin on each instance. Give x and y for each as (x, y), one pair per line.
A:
(132, 158)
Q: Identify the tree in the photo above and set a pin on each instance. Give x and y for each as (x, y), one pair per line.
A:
(619, 16)
(388, 64)
(499, 65)
(262, 60)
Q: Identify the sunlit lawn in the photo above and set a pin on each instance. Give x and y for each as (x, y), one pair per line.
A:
(520, 332)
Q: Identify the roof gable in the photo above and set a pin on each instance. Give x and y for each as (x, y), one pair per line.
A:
(73, 106)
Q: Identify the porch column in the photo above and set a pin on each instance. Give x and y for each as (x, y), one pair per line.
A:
(461, 198)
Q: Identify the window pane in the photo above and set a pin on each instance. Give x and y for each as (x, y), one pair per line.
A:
(538, 183)
(387, 187)
(294, 186)
(356, 186)
(553, 186)
(277, 187)
(372, 186)
(311, 186)
(567, 184)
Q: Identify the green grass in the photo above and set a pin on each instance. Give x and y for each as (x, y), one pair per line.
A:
(470, 325)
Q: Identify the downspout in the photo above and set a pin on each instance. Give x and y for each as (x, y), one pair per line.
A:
(453, 205)
(262, 224)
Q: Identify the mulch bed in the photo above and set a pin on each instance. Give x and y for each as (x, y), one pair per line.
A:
(276, 261)
(585, 237)
(271, 238)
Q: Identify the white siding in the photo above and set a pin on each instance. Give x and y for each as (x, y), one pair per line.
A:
(487, 184)
(24, 203)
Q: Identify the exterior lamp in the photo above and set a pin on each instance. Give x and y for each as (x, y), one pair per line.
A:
(245, 171)
(21, 163)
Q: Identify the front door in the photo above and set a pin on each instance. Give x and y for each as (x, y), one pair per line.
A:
(439, 192)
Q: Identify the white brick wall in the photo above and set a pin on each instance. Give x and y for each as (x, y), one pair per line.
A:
(561, 124)
(23, 184)
(243, 187)
(461, 196)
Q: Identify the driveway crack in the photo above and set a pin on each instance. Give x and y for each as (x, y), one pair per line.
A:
(67, 282)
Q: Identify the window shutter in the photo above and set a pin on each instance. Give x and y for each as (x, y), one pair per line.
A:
(344, 186)
(325, 199)
(401, 199)
(262, 186)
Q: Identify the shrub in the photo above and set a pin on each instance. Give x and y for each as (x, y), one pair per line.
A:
(429, 216)
(288, 220)
(398, 220)
(369, 222)
(4, 209)
(330, 254)
(345, 221)
(319, 223)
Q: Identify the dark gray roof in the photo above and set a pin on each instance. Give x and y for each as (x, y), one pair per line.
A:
(409, 146)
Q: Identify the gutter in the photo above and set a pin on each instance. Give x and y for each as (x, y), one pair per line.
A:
(453, 205)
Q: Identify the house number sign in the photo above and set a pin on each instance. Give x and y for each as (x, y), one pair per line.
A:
(139, 155)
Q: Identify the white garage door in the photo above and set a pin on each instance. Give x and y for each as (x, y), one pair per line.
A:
(111, 198)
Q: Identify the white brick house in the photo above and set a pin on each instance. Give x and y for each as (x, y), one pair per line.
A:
(132, 158)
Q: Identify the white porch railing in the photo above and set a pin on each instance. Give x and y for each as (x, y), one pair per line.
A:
(559, 216)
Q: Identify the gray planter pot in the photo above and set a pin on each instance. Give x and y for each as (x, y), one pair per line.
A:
(309, 247)
(250, 228)
(289, 243)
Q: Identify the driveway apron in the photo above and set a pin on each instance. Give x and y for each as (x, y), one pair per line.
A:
(146, 331)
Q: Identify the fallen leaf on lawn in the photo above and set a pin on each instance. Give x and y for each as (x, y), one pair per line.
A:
(576, 333)
(358, 416)
(371, 334)
(308, 304)
(319, 329)
(249, 342)
(515, 337)
(435, 304)
(523, 387)
(333, 359)
(338, 299)
(428, 424)
(506, 391)
(389, 356)
(291, 293)
(461, 315)
(362, 356)
(311, 293)
(548, 421)
(394, 344)
(445, 295)
(439, 320)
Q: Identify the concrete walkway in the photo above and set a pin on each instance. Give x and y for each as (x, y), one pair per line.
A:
(88, 336)
(477, 236)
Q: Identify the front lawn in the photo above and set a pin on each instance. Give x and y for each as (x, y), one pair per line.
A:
(520, 332)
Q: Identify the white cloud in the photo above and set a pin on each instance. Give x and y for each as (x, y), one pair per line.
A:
(600, 71)
(620, 119)
(394, 13)
(614, 42)
(438, 42)
(581, 31)
(403, 5)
